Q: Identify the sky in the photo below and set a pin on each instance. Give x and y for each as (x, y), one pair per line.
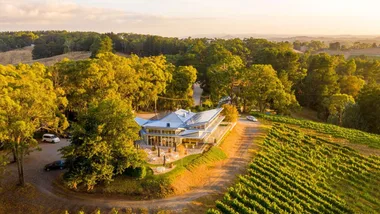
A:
(182, 18)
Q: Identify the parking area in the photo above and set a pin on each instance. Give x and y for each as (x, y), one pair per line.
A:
(34, 166)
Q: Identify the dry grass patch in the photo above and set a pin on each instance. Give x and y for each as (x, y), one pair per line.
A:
(16, 56)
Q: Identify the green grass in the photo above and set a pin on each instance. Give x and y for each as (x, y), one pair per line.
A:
(353, 135)
(211, 156)
(300, 173)
(158, 186)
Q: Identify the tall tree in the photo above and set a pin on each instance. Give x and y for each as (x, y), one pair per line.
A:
(262, 87)
(179, 92)
(102, 144)
(28, 102)
(351, 85)
(282, 60)
(224, 76)
(101, 45)
(369, 103)
(321, 81)
(337, 104)
(154, 73)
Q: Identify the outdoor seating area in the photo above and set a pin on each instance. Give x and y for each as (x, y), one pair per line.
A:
(165, 155)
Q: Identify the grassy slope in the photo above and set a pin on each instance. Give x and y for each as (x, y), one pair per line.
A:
(24, 55)
(156, 186)
(320, 176)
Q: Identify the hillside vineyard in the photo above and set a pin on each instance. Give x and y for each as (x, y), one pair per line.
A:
(300, 173)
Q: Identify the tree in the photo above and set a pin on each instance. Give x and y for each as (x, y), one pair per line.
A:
(85, 81)
(28, 102)
(3, 163)
(351, 85)
(352, 117)
(224, 76)
(102, 144)
(214, 54)
(262, 87)
(180, 90)
(336, 105)
(101, 45)
(334, 46)
(139, 80)
(320, 82)
(346, 68)
(230, 112)
(153, 74)
(282, 60)
(369, 103)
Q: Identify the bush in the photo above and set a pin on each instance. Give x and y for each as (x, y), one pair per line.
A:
(138, 172)
(230, 112)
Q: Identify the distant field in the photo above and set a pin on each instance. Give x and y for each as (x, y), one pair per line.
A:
(24, 55)
(370, 52)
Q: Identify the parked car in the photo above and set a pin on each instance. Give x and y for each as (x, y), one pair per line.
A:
(60, 164)
(50, 138)
(251, 118)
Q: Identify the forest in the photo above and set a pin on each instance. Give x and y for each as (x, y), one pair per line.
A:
(257, 74)
(342, 91)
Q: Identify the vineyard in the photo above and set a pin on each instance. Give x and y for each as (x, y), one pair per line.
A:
(353, 135)
(299, 173)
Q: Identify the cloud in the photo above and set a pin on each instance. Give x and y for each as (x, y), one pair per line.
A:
(51, 13)
(59, 15)
(181, 17)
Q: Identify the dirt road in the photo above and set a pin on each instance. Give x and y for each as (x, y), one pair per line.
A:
(238, 142)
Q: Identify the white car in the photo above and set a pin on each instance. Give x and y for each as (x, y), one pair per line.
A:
(50, 138)
(251, 118)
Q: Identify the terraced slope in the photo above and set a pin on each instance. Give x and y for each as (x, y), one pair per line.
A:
(300, 173)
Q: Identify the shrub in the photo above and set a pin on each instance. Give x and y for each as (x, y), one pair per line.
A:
(230, 112)
(138, 172)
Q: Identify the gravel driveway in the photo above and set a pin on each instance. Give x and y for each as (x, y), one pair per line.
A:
(34, 165)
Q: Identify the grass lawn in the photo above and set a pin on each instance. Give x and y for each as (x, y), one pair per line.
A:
(158, 186)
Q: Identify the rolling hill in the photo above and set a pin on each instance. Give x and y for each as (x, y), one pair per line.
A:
(24, 55)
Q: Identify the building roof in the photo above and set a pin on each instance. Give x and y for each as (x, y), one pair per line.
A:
(141, 121)
(180, 119)
(203, 117)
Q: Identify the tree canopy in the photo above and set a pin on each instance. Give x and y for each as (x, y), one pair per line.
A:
(102, 144)
(261, 86)
(28, 103)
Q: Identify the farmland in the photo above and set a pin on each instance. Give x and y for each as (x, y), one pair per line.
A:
(370, 52)
(24, 55)
(354, 136)
(300, 173)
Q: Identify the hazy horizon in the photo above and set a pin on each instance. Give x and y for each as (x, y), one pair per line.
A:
(183, 18)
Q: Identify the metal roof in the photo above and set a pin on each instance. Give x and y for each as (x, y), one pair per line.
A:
(180, 119)
(141, 121)
(204, 117)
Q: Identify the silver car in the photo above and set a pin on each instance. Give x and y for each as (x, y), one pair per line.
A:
(252, 118)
